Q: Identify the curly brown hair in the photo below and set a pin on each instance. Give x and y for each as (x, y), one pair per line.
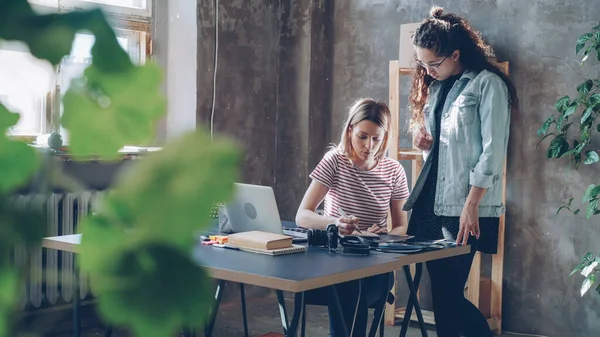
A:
(443, 34)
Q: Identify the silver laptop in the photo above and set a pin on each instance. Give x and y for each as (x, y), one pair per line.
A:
(253, 208)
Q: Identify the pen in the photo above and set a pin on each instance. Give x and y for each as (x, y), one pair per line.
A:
(225, 246)
(342, 213)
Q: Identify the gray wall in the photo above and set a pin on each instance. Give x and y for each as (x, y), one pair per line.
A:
(288, 69)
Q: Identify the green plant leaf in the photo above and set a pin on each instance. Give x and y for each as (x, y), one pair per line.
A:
(587, 284)
(562, 104)
(558, 146)
(591, 209)
(570, 110)
(559, 122)
(598, 127)
(584, 38)
(579, 47)
(585, 133)
(591, 157)
(118, 119)
(585, 87)
(590, 193)
(544, 128)
(586, 115)
(578, 268)
(594, 100)
(155, 290)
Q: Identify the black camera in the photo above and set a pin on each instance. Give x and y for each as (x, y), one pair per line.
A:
(330, 238)
(324, 238)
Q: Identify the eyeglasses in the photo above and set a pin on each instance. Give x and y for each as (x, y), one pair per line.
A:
(431, 66)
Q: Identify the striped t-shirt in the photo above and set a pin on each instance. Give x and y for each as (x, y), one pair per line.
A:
(364, 194)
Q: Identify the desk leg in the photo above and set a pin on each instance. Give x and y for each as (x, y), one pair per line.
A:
(76, 318)
(244, 316)
(292, 329)
(208, 329)
(413, 285)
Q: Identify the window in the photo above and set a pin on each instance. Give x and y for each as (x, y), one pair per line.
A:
(24, 84)
(139, 8)
(30, 86)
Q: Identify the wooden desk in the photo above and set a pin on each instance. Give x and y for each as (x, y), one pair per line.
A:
(309, 270)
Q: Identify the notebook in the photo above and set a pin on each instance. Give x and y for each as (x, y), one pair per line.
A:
(260, 240)
(274, 252)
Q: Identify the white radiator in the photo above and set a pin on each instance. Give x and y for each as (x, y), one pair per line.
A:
(51, 274)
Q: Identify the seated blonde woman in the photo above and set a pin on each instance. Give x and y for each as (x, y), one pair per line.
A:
(357, 178)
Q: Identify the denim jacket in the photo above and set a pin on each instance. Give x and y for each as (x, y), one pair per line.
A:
(473, 143)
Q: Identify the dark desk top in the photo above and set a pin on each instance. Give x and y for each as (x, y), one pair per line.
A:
(296, 272)
(308, 270)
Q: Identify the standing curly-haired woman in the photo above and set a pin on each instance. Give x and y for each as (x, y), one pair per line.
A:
(461, 104)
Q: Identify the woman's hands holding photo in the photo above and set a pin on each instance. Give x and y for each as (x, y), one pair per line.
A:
(375, 229)
(347, 225)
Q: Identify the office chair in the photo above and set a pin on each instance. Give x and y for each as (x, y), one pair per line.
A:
(377, 322)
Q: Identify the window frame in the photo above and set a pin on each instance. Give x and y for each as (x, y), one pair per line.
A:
(130, 13)
(125, 21)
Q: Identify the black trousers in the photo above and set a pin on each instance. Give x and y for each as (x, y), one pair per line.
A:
(455, 315)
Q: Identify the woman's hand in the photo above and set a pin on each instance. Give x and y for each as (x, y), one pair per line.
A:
(375, 229)
(347, 225)
(469, 223)
(423, 139)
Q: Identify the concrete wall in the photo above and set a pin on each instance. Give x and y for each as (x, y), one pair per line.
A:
(272, 87)
(289, 68)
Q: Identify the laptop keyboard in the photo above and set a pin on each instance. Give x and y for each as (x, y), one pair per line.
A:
(301, 233)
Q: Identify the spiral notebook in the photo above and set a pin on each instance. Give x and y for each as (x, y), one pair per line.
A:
(274, 252)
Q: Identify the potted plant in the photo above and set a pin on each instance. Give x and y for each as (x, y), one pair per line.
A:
(572, 131)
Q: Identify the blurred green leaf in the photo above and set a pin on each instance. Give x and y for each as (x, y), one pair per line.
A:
(12, 218)
(19, 161)
(7, 118)
(136, 249)
(112, 110)
(9, 296)
(192, 171)
(155, 290)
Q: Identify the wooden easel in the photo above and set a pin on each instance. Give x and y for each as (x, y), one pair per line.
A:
(415, 156)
